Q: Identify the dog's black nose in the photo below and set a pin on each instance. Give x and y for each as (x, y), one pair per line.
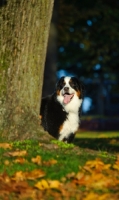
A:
(66, 89)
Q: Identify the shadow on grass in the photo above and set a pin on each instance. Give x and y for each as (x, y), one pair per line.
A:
(101, 144)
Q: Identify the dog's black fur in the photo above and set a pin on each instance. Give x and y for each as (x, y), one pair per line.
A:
(53, 113)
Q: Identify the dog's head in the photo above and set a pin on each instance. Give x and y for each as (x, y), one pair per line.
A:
(69, 90)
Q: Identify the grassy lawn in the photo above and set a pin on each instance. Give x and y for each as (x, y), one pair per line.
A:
(87, 169)
(101, 141)
(62, 153)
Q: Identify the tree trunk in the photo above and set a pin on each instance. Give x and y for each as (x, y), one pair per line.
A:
(24, 34)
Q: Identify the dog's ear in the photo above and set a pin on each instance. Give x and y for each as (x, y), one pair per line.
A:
(82, 88)
(60, 82)
(79, 83)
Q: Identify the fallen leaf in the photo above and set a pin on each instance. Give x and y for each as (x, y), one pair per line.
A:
(4, 178)
(5, 145)
(50, 184)
(36, 173)
(6, 162)
(37, 160)
(116, 165)
(20, 160)
(91, 196)
(96, 164)
(54, 184)
(42, 185)
(113, 141)
(19, 176)
(18, 153)
(71, 175)
(80, 176)
(50, 162)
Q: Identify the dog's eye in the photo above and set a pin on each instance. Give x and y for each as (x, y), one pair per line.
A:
(63, 84)
(72, 84)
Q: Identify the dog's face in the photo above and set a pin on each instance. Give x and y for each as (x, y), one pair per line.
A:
(69, 91)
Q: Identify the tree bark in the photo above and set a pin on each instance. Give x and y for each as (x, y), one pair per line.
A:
(23, 42)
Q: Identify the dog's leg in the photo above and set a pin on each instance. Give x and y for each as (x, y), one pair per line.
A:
(69, 139)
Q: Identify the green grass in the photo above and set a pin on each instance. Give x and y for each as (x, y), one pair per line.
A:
(67, 161)
(97, 134)
(101, 141)
(70, 158)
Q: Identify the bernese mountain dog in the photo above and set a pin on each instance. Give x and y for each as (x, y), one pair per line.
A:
(60, 112)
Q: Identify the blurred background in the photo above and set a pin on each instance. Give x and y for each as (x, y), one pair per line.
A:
(84, 42)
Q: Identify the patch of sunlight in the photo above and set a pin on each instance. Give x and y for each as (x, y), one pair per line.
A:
(94, 134)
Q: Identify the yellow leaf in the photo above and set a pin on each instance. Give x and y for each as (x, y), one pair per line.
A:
(107, 166)
(18, 153)
(79, 176)
(105, 196)
(54, 184)
(42, 185)
(50, 184)
(91, 196)
(116, 165)
(5, 145)
(6, 162)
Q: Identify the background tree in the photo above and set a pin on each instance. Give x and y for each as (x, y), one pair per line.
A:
(88, 38)
(23, 42)
(51, 57)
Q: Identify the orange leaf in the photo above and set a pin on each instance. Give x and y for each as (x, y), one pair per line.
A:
(50, 162)
(36, 173)
(96, 164)
(19, 176)
(20, 160)
(37, 160)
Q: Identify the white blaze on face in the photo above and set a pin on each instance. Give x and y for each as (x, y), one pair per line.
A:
(71, 91)
(66, 80)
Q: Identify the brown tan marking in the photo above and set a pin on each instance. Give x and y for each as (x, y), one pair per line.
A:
(78, 93)
(60, 128)
(58, 92)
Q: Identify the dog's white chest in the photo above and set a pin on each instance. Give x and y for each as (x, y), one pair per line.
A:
(71, 125)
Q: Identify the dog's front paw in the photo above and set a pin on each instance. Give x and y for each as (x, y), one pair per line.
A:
(69, 139)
